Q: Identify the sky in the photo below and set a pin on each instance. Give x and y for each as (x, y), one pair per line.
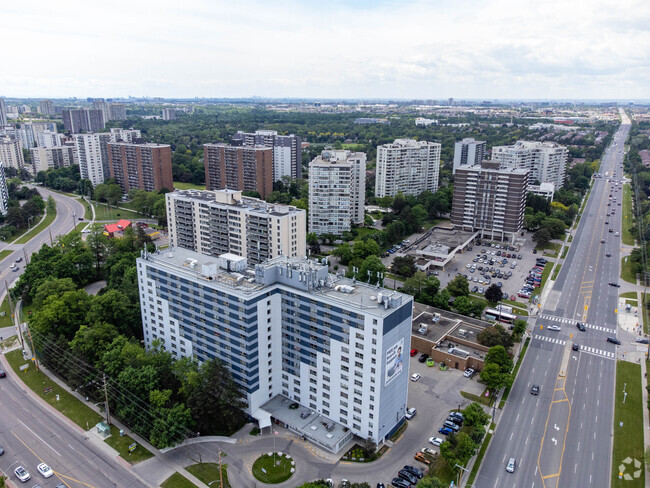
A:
(490, 49)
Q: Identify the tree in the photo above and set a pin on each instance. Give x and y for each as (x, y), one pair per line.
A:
(52, 287)
(542, 237)
(465, 447)
(92, 342)
(404, 266)
(475, 416)
(463, 305)
(216, 402)
(344, 252)
(173, 420)
(493, 378)
(493, 294)
(519, 327)
(62, 314)
(312, 242)
(458, 286)
(431, 482)
(447, 451)
(499, 356)
(370, 269)
(115, 308)
(495, 336)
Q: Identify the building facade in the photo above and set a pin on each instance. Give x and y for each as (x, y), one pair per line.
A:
(3, 113)
(546, 161)
(4, 192)
(223, 221)
(287, 150)
(490, 199)
(49, 139)
(337, 190)
(11, 153)
(168, 114)
(288, 332)
(77, 121)
(117, 111)
(244, 168)
(92, 155)
(104, 106)
(47, 107)
(44, 158)
(469, 152)
(141, 166)
(407, 166)
(18, 134)
(125, 135)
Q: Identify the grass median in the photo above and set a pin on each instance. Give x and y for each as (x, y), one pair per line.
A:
(39, 383)
(4, 254)
(121, 445)
(628, 216)
(479, 457)
(626, 270)
(628, 437)
(6, 319)
(177, 481)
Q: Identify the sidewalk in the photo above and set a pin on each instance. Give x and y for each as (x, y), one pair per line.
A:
(158, 466)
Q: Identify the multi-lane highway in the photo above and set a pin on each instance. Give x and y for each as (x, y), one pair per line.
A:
(563, 436)
(30, 434)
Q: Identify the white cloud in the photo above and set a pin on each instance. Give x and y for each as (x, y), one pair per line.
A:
(418, 49)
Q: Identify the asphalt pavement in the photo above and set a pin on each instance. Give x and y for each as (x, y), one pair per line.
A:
(563, 436)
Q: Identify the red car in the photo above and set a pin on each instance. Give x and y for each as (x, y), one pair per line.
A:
(413, 352)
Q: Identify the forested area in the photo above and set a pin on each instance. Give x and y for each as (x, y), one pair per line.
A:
(80, 337)
(21, 216)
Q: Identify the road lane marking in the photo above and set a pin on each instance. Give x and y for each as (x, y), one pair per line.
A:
(36, 455)
(38, 438)
(72, 479)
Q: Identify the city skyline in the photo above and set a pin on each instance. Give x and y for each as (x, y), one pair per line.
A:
(431, 50)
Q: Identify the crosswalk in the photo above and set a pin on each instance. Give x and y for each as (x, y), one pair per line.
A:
(564, 320)
(585, 349)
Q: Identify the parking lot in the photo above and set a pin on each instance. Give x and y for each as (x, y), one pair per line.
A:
(510, 285)
(434, 395)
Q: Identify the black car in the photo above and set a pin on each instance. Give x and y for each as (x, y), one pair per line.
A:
(534, 390)
(580, 326)
(400, 483)
(575, 347)
(409, 477)
(2, 373)
(423, 358)
(614, 340)
(611, 283)
(455, 420)
(642, 341)
(414, 471)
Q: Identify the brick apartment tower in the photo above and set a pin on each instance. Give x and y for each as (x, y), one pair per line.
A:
(141, 166)
(243, 168)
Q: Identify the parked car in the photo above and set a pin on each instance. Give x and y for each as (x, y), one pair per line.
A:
(451, 425)
(428, 450)
(444, 431)
(455, 420)
(415, 377)
(436, 441)
(469, 372)
(421, 457)
(414, 471)
(423, 357)
(457, 414)
(410, 413)
(413, 352)
(400, 483)
(411, 478)
(22, 474)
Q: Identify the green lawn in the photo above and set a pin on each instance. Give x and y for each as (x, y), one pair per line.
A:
(556, 272)
(6, 321)
(180, 185)
(67, 404)
(476, 398)
(514, 373)
(479, 457)
(88, 213)
(646, 313)
(4, 254)
(626, 271)
(177, 481)
(364, 231)
(545, 274)
(354, 147)
(272, 469)
(628, 439)
(565, 251)
(26, 236)
(104, 213)
(629, 294)
(628, 216)
(207, 472)
(121, 445)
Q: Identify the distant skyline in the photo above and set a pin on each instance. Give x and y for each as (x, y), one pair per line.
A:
(493, 49)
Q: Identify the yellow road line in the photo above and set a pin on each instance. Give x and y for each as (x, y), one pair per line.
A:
(560, 401)
(72, 479)
(550, 476)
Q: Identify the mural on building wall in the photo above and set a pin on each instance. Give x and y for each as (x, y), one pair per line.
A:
(394, 361)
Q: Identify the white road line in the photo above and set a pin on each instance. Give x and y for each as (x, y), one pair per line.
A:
(579, 441)
(517, 418)
(39, 437)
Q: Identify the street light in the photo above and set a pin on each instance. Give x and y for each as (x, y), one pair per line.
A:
(74, 222)
(29, 222)
(463, 469)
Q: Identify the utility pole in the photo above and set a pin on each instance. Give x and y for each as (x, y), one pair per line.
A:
(26, 259)
(108, 413)
(29, 333)
(51, 240)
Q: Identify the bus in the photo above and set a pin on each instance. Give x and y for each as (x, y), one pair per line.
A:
(499, 316)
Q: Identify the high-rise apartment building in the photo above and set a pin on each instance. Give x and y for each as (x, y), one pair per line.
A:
(4, 192)
(223, 221)
(337, 190)
(407, 166)
(469, 152)
(101, 104)
(11, 153)
(490, 199)
(141, 166)
(47, 107)
(169, 114)
(92, 155)
(118, 111)
(18, 134)
(245, 168)
(77, 121)
(125, 135)
(288, 331)
(287, 150)
(546, 161)
(53, 157)
(49, 139)
(3, 113)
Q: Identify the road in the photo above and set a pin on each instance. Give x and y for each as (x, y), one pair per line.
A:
(30, 434)
(68, 211)
(563, 436)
